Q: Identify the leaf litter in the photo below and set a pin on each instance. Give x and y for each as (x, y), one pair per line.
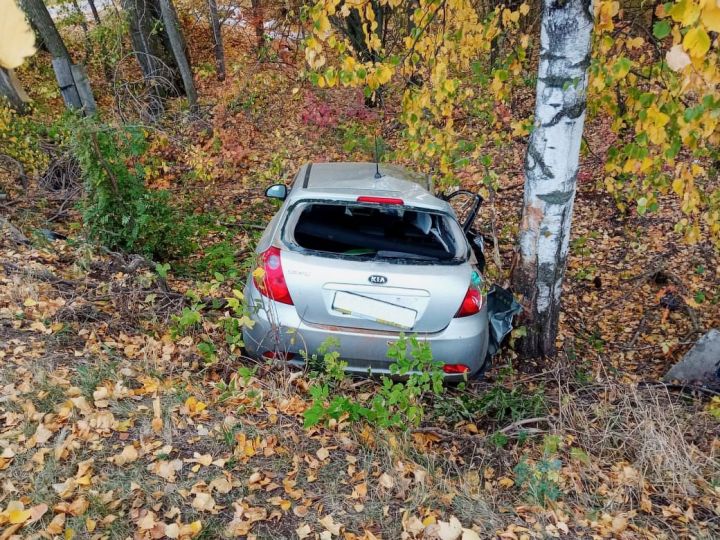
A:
(112, 428)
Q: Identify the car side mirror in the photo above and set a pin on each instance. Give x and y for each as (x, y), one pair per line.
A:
(276, 191)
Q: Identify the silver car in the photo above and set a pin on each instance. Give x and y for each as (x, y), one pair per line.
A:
(361, 252)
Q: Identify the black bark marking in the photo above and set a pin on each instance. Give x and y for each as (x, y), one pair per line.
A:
(582, 64)
(572, 111)
(538, 161)
(555, 81)
(556, 197)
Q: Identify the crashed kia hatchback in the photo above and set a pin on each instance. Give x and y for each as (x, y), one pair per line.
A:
(361, 252)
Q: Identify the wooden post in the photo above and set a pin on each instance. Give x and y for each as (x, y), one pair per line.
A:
(66, 82)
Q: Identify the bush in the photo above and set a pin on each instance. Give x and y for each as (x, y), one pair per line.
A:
(119, 211)
(19, 139)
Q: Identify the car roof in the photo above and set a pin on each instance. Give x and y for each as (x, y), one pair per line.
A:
(347, 181)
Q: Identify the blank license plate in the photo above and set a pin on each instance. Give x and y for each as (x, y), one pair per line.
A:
(374, 310)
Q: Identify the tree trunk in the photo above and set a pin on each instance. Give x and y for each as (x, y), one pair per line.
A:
(551, 166)
(258, 23)
(94, 10)
(217, 37)
(85, 29)
(74, 85)
(10, 89)
(151, 51)
(177, 41)
(43, 23)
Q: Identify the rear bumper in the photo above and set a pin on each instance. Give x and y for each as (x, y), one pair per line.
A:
(278, 327)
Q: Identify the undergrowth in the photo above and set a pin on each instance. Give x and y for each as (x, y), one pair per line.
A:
(119, 211)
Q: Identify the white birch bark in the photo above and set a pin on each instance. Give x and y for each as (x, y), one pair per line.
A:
(551, 167)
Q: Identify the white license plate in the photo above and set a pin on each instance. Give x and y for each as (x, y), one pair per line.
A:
(374, 310)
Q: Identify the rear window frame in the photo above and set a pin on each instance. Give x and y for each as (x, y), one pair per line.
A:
(288, 240)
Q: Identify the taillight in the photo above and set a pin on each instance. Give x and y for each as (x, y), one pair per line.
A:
(455, 368)
(278, 355)
(471, 304)
(380, 200)
(272, 284)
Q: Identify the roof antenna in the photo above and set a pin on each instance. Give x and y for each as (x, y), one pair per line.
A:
(377, 160)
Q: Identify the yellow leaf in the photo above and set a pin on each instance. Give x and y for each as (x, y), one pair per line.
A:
(686, 12)
(128, 455)
(711, 16)
(384, 74)
(192, 529)
(259, 273)
(696, 42)
(16, 513)
(17, 40)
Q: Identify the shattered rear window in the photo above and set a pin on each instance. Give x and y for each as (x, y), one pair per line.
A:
(369, 231)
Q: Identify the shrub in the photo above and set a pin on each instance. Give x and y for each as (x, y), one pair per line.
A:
(119, 211)
(396, 403)
(19, 139)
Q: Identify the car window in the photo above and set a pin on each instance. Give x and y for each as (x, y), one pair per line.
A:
(375, 232)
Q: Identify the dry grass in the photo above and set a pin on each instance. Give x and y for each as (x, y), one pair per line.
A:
(649, 428)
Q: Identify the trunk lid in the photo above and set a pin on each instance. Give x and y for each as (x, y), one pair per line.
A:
(375, 295)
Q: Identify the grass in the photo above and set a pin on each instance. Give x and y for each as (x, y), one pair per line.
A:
(91, 374)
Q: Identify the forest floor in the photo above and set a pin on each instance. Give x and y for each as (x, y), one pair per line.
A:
(112, 426)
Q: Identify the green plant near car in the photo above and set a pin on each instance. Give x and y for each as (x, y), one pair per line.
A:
(397, 403)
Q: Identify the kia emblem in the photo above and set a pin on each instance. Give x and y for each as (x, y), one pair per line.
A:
(377, 280)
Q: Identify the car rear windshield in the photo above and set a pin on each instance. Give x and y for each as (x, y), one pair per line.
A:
(370, 231)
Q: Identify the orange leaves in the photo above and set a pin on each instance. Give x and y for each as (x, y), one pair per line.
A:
(244, 518)
(166, 469)
(150, 525)
(194, 408)
(128, 455)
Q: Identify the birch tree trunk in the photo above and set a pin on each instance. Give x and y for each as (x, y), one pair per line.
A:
(177, 41)
(217, 37)
(551, 166)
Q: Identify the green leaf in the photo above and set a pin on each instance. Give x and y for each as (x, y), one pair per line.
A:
(661, 29)
(579, 454)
